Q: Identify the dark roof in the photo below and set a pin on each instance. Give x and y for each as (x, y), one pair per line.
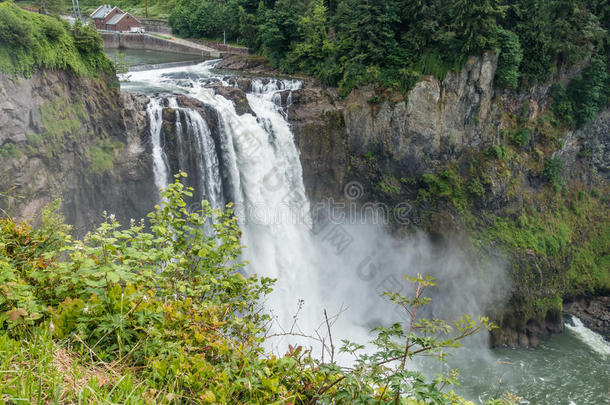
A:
(116, 18)
(101, 12)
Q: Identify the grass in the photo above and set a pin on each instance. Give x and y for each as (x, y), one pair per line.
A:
(154, 34)
(38, 369)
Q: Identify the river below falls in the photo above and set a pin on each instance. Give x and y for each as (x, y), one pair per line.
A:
(570, 368)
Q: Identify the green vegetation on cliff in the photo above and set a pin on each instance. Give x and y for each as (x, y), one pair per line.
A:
(555, 235)
(162, 313)
(30, 41)
(345, 43)
(534, 197)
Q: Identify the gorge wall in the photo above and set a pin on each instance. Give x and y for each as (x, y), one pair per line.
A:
(76, 138)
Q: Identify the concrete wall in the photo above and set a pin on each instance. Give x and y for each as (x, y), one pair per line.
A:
(140, 68)
(114, 40)
(230, 49)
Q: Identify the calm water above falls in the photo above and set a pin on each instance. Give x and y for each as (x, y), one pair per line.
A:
(263, 168)
(136, 57)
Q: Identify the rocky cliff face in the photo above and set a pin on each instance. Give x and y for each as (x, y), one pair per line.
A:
(440, 122)
(75, 138)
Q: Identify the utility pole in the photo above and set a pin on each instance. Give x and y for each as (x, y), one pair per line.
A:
(224, 37)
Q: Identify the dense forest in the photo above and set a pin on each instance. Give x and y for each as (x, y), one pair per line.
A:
(393, 42)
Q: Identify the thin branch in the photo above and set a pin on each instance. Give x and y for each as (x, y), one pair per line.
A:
(330, 336)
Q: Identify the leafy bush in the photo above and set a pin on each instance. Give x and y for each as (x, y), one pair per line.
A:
(520, 137)
(446, 185)
(497, 151)
(9, 150)
(86, 39)
(13, 29)
(54, 28)
(552, 169)
(475, 188)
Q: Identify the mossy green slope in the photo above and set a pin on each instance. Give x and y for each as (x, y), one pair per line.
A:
(30, 41)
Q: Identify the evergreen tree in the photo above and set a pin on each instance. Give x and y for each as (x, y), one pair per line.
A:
(511, 54)
(392, 42)
(590, 92)
(475, 23)
(366, 30)
(314, 53)
(366, 42)
(576, 31)
(533, 23)
(279, 29)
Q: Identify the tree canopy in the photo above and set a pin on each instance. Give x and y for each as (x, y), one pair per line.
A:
(348, 42)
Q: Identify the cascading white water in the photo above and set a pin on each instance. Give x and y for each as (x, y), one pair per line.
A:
(595, 341)
(208, 167)
(160, 166)
(263, 165)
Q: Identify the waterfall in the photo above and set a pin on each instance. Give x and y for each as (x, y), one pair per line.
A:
(160, 165)
(208, 168)
(592, 339)
(342, 267)
(262, 165)
(192, 143)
